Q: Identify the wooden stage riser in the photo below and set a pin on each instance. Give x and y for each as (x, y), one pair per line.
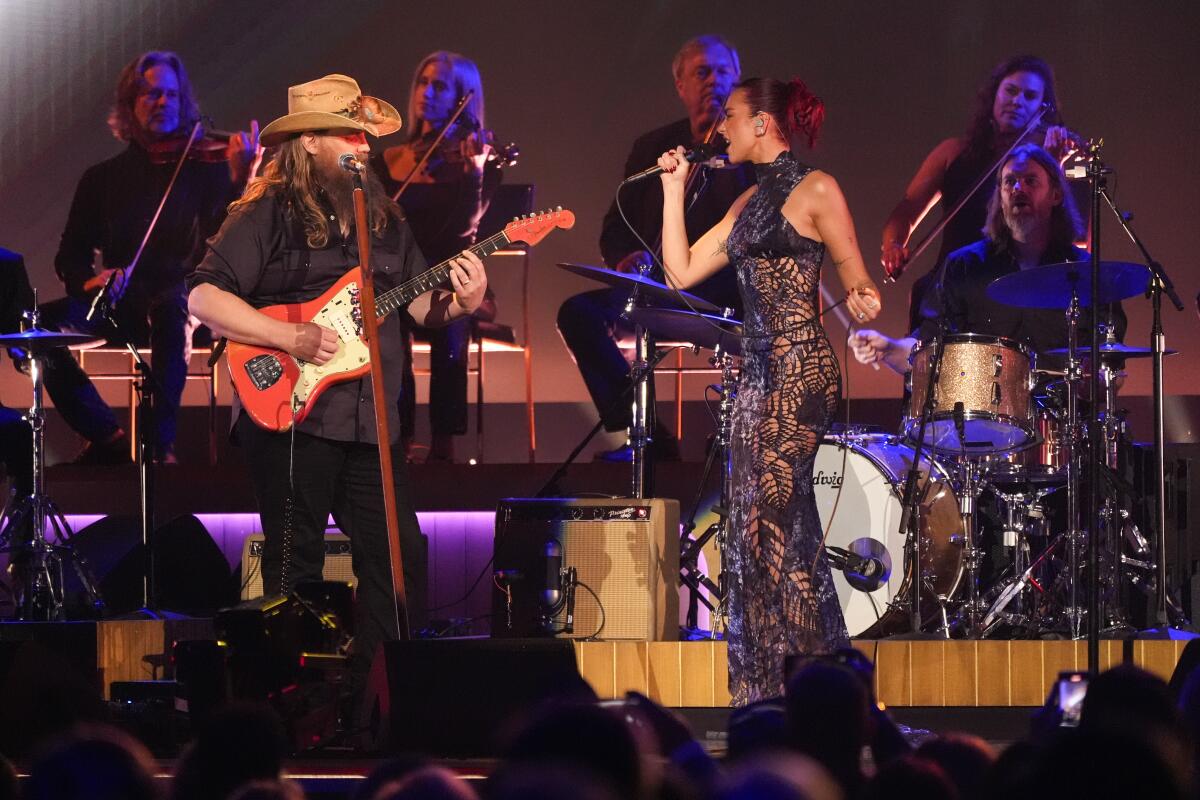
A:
(941, 673)
(695, 674)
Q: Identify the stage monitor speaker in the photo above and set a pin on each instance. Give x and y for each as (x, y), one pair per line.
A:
(457, 697)
(191, 574)
(625, 553)
(338, 566)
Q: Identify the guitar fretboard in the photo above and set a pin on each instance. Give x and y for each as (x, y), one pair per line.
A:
(432, 278)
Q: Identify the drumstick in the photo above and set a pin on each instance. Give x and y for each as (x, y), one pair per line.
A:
(839, 312)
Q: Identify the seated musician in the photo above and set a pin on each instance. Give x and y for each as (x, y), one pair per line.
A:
(1032, 220)
(705, 70)
(154, 113)
(443, 203)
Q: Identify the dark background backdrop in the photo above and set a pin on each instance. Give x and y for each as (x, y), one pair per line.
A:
(574, 83)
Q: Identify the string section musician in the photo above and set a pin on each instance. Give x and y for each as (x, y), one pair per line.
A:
(443, 200)
(1014, 93)
(154, 113)
(287, 240)
(591, 324)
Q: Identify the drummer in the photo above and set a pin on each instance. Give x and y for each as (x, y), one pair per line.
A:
(1031, 221)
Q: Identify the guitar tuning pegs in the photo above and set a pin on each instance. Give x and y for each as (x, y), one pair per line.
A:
(558, 208)
(515, 219)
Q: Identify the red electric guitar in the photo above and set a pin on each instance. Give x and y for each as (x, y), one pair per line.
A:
(278, 390)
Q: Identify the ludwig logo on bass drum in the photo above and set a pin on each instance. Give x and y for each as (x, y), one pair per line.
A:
(821, 479)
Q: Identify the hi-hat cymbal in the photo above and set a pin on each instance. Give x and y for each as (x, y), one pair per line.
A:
(38, 339)
(702, 330)
(1050, 286)
(1112, 349)
(649, 288)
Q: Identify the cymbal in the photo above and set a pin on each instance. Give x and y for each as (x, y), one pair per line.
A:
(647, 287)
(39, 339)
(1113, 349)
(1049, 286)
(704, 330)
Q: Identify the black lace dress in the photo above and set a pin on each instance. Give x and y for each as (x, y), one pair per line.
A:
(781, 598)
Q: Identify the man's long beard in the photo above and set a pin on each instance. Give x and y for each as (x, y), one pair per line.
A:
(1021, 226)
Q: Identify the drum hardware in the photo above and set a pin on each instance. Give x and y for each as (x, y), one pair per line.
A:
(720, 449)
(36, 566)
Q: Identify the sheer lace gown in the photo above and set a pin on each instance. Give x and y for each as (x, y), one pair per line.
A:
(781, 599)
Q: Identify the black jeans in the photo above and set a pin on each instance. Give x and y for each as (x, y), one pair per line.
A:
(589, 324)
(341, 478)
(162, 323)
(448, 354)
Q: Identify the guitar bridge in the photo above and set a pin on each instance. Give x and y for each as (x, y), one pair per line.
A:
(264, 371)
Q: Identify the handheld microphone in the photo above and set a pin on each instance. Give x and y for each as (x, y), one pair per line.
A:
(701, 152)
(350, 163)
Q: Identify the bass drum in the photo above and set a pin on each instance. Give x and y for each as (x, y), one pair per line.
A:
(859, 485)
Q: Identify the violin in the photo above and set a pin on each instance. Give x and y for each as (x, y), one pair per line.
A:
(445, 159)
(210, 147)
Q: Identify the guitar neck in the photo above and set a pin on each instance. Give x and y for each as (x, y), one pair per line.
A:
(432, 278)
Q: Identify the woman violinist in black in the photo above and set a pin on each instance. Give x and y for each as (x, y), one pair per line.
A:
(444, 189)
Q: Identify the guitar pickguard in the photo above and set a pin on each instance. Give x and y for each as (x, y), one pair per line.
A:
(342, 314)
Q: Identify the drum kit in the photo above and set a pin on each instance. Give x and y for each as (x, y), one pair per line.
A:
(998, 488)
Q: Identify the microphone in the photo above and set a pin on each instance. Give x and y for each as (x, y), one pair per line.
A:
(701, 152)
(552, 588)
(101, 299)
(848, 561)
(350, 163)
(508, 575)
(960, 425)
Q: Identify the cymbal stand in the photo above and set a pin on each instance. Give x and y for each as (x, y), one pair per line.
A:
(1071, 438)
(971, 486)
(722, 448)
(36, 565)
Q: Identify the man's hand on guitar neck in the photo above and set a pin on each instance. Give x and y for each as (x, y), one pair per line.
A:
(313, 343)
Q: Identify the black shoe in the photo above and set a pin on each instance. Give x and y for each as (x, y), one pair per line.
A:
(107, 454)
(663, 448)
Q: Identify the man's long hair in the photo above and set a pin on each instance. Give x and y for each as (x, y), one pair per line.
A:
(121, 120)
(464, 76)
(981, 131)
(1066, 226)
(292, 175)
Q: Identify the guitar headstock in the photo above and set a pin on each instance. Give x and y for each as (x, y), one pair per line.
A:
(533, 228)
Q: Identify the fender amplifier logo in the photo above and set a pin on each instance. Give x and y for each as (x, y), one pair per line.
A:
(833, 480)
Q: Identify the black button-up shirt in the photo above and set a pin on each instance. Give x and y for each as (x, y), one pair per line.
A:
(113, 205)
(260, 254)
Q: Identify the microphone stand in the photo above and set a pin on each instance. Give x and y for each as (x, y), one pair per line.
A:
(1159, 283)
(910, 519)
(145, 386)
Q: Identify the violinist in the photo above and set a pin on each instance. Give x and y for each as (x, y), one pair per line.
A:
(704, 69)
(1004, 106)
(155, 114)
(443, 177)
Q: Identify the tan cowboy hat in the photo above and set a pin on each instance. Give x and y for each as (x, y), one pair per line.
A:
(328, 103)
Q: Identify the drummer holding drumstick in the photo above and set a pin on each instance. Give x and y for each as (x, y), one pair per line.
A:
(1032, 220)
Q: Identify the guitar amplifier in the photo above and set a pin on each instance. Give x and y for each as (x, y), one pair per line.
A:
(625, 553)
(337, 563)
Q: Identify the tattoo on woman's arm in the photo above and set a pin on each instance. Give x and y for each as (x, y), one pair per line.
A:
(721, 247)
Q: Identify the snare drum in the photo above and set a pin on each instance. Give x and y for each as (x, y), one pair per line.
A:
(859, 484)
(991, 377)
(1042, 464)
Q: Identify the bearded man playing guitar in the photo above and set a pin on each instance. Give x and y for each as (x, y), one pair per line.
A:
(287, 241)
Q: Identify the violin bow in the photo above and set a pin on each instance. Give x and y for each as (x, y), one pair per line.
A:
(128, 271)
